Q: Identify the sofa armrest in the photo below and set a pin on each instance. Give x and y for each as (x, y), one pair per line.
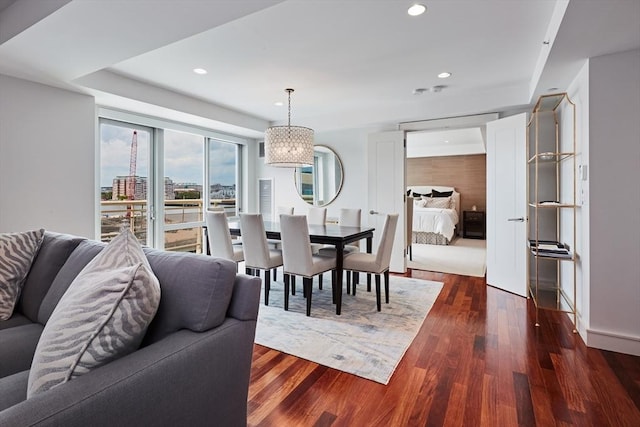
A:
(188, 378)
(245, 299)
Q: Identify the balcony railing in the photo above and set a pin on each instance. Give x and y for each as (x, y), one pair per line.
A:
(117, 214)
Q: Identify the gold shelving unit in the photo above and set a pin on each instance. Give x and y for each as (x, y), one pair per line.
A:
(551, 184)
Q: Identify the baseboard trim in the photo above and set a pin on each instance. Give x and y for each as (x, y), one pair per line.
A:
(613, 341)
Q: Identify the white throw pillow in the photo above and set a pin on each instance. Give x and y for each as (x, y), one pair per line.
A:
(439, 202)
(103, 316)
(17, 252)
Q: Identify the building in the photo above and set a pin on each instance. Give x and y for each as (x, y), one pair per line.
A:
(121, 185)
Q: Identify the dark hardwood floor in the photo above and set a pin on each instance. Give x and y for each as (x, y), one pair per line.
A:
(478, 360)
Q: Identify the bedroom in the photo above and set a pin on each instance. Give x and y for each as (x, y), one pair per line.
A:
(446, 177)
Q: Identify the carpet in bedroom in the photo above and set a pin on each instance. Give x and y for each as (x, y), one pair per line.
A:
(466, 257)
(361, 341)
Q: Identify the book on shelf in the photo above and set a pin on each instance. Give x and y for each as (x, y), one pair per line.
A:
(549, 248)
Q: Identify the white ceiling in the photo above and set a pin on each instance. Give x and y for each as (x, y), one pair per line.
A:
(352, 63)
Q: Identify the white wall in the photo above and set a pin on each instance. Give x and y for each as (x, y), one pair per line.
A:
(578, 92)
(351, 147)
(47, 158)
(614, 202)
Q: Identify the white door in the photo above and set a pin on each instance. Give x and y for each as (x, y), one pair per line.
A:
(506, 204)
(386, 157)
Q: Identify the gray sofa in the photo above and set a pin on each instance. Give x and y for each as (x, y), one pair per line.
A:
(193, 366)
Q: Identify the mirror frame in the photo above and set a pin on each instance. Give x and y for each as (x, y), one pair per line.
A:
(337, 192)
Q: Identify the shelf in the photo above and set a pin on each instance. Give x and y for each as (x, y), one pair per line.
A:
(551, 298)
(550, 157)
(552, 205)
(546, 255)
(551, 197)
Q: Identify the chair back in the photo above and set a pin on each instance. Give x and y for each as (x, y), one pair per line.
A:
(219, 235)
(256, 249)
(296, 245)
(317, 216)
(350, 217)
(383, 256)
(283, 210)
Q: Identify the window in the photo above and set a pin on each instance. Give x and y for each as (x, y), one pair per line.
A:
(152, 179)
(124, 179)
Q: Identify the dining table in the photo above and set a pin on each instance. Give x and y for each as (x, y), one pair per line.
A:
(328, 234)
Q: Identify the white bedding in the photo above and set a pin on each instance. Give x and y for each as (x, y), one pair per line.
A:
(432, 220)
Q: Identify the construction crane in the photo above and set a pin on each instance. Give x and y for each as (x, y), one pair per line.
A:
(131, 185)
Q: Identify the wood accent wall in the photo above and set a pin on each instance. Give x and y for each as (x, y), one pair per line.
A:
(468, 174)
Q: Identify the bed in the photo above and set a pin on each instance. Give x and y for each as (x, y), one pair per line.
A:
(435, 219)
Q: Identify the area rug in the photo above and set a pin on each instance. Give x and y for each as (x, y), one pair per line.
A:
(467, 257)
(361, 341)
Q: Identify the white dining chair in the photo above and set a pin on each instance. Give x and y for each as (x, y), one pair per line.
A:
(257, 255)
(219, 238)
(376, 263)
(297, 256)
(273, 243)
(349, 217)
(317, 215)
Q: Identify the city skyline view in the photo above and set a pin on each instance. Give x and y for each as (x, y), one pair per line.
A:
(183, 156)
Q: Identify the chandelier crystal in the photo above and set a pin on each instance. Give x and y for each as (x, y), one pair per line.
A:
(288, 146)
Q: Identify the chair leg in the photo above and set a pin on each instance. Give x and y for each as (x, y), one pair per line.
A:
(306, 284)
(386, 286)
(378, 304)
(334, 283)
(267, 286)
(410, 253)
(293, 285)
(320, 281)
(275, 274)
(286, 292)
(348, 283)
(368, 282)
(356, 279)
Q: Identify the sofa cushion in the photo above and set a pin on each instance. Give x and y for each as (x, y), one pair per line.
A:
(210, 282)
(79, 258)
(53, 253)
(17, 346)
(16, 320)
(102, 316)
(13, 389)
(17, 252)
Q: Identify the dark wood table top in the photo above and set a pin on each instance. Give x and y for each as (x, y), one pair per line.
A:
(331, 234)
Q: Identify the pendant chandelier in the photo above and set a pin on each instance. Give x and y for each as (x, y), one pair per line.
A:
(288, 146)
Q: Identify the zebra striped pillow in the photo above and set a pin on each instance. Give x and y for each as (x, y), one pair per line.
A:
(102, 316)
(17, 252)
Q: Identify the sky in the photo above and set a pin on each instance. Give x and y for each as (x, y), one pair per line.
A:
(183, 156)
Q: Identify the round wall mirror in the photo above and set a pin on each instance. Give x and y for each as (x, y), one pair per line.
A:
(320, 183)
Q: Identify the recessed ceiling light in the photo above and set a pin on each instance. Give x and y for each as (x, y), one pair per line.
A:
(278, 103)
(416, 9)
(444, 75)
(446, 141)
(200, 71)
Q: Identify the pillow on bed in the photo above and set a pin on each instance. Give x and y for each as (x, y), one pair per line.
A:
(436, 193)
(439, 203)
(421, 203)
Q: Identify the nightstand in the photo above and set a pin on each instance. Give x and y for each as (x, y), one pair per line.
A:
(473, 225)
